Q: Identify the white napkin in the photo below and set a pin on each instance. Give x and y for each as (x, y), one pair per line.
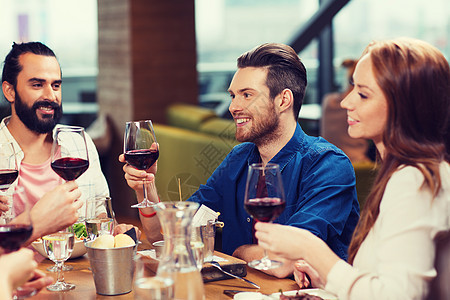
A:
(203, 215)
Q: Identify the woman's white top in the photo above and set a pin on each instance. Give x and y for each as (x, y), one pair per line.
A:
(396, 260)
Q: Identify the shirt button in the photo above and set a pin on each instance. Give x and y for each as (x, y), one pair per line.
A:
(248, 220)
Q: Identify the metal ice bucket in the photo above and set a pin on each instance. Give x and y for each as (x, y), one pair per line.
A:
(112, 269)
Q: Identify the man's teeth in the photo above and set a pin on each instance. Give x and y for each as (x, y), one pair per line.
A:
(47, 108)
(240, 121)
(351, 119)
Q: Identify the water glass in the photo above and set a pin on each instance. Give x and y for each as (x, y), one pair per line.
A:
(197, 246)
(208, 233)
(99, 217)
(147, 285)
(58, 247)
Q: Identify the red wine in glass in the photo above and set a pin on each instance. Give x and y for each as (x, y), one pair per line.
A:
(7, 177)
(264, 201)
(8, 166)
(265, 209)
(70, 168)
(12, 236)
(69, 165)
(142, 159)
(141, 151)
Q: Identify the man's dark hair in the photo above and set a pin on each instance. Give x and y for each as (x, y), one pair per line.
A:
(12, 66)
(285, 70)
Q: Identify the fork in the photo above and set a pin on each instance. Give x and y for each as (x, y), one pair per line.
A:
(217, 265)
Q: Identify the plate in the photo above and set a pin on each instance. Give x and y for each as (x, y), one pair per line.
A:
(78, 249)
(251, 296)
(313, 292)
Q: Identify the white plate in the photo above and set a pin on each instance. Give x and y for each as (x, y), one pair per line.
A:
(251, 296)
(313, 292)
(78, 249)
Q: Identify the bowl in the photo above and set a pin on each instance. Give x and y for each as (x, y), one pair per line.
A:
(78, 248)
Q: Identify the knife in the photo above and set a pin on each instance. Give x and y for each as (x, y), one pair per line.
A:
(217, 265)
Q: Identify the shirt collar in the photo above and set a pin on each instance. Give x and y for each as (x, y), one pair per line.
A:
(285, 154)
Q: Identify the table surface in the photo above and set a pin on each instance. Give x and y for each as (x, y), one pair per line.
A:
(81, 276)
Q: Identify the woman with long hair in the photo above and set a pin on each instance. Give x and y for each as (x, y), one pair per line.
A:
(401, 101)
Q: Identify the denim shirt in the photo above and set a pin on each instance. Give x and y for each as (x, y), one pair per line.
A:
(319, 183)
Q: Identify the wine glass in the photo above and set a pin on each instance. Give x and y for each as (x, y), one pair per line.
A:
(141, 150)
(99, 217)
(9, 172)
(264, 201)
(67, 162)
(14, 235)
(69, 159)
(58, 247)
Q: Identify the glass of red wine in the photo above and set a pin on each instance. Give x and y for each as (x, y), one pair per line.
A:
(264, 201)
(67, 162)
(141, 150)
(8, 174)
(15, 231)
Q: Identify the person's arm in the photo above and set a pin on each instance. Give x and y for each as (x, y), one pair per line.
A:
(56, 210)
(400, 258)
(135, 179)
(294, 243)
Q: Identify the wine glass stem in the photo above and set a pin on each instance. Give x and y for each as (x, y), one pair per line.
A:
(59, 266)
(265, 258)
(145, 192)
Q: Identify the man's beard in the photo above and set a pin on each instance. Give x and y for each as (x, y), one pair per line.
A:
(30, 118)
(263, 132)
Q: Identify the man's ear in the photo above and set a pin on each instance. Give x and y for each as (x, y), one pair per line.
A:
(8, 91)
(286, 100)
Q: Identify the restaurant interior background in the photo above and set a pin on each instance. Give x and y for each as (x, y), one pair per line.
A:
(131, 59)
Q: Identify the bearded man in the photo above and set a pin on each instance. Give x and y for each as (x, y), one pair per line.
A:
(267, 92)
(31, 83)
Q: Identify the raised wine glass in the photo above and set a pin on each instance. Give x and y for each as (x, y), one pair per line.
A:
(70, 159)
(14, 234)
(264, 201)
(8, 174)
(16, 229)
(141, 150)
(67, 162)
(58, 247)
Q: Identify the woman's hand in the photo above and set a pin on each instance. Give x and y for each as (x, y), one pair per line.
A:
(316, 258)
(36, 283)
(282, 240)
(301, 269)
(17, 267)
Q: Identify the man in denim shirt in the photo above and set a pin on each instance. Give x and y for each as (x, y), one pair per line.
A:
(267, 92)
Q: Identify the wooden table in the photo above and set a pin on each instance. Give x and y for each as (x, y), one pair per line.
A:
(81, 276)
